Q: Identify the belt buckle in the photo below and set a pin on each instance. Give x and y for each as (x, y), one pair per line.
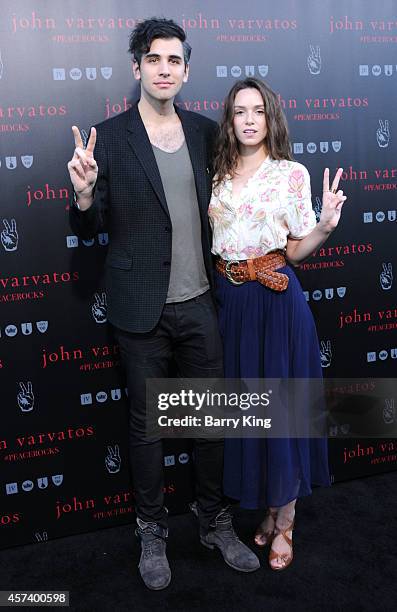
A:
(228, 272)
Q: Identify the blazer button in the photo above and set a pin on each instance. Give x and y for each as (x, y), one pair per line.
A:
(167, 228)
(167, 263)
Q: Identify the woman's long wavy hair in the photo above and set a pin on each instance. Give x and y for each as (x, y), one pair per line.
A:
(277, 138)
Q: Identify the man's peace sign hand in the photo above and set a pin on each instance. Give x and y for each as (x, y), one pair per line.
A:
(82, 167)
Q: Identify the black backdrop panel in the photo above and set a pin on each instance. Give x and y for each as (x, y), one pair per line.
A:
(63, 441)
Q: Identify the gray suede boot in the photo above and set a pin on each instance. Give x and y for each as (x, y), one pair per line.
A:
(235, 553)
(153, 564)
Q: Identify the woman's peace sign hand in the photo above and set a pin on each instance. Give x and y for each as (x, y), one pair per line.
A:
(333, 200)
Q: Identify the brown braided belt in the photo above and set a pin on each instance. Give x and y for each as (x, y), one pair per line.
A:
(262, 269)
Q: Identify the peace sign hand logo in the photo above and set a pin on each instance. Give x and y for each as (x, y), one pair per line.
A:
(113, 460)
(25, 397)
(325, 353)
(98, 308)
(383, 134)
(386, 276)
(314, 60)
(9, 235)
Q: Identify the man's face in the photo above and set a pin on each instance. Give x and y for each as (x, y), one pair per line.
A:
(162, 71)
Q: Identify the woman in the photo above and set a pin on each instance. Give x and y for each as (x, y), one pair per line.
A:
(262, 217)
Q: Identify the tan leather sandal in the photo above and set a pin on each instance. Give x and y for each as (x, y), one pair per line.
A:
(285, 557)
(263, 537)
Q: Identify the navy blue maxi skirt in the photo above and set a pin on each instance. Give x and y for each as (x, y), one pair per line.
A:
(270, 334)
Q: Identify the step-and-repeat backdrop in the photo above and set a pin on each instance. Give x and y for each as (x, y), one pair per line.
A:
(63, 440)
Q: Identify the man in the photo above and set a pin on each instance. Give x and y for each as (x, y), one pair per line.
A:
(150, 181)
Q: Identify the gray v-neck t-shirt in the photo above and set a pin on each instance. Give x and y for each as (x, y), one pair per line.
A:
(188, 277)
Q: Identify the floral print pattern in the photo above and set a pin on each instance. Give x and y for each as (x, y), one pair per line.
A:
(273, 205)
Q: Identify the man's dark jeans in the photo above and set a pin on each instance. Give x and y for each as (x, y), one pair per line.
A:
(187, 334)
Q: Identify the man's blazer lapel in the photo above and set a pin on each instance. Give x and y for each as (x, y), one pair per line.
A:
(139, 142)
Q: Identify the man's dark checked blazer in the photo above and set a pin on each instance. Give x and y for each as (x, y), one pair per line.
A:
(129, 203)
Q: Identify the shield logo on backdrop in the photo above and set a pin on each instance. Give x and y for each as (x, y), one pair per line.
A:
(336, 145)
(329, 294)
(341, 291)
(42, 483)
(103, 239)
(324, 147)
(263, 70)
(391, 215)
(345, 428)
(116, 394)
(106, 72)
(388, 69)
(11, 163)
(57, 479)
(42, 326)
(27, 160)
(26, 328)
(90, 73)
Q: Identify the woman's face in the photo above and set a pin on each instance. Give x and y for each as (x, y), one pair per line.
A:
(249, 120)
